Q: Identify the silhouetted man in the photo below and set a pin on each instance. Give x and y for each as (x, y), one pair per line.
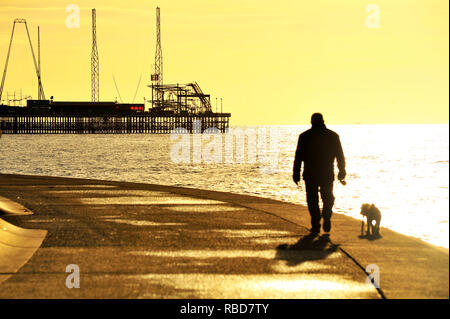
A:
(317, 148)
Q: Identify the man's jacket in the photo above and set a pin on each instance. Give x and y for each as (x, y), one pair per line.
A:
(317, 148)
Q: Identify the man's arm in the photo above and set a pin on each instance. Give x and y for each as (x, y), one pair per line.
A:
(340, 160)
(298, 160)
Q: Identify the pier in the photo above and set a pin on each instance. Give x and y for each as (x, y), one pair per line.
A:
(136, 124)
(172, 106)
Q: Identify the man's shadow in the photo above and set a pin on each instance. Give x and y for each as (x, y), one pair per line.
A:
(309, 247)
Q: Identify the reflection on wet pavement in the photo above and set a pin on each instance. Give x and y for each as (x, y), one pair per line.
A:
(109, 192)
(261, 286)
(133, 200)
(142, 222)
(242, 233)
(224, 207)
(205, 254)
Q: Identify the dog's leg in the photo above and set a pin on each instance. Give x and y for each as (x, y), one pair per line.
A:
(377, 227)
(369, 223)
(362, 227)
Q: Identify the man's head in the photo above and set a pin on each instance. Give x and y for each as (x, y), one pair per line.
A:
(317, 119)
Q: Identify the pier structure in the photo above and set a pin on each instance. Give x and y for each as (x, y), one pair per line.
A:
(177, 99)
(112, 124)
(173, 106)
(180, 99)
(62, 117)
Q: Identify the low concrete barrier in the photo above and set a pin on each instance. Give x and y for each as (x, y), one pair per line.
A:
(17, 245)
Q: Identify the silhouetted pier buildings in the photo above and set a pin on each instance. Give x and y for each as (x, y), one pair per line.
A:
(172, 105)
(178, 106)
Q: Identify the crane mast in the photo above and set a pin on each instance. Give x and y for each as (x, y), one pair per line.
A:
(41, 94)
(95, 79)
(157, 77)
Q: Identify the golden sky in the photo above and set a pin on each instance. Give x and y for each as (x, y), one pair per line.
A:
(272, 62)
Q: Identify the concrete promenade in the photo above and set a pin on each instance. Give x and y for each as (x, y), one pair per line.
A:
(133, 240)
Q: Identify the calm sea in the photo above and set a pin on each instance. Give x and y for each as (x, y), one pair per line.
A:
(403, 169)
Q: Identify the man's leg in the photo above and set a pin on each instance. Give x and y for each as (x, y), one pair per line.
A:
(326, 192)
(312, 198)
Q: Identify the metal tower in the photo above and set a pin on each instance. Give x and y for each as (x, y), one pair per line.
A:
(37, 68)
(94, 62)
(40, 88)
(157, 77)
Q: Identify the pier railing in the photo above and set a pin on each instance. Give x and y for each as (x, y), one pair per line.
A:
(144, 124)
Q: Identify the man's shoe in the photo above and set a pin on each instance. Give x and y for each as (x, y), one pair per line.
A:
(326, 225)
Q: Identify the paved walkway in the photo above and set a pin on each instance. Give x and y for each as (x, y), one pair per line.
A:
(148, 241)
